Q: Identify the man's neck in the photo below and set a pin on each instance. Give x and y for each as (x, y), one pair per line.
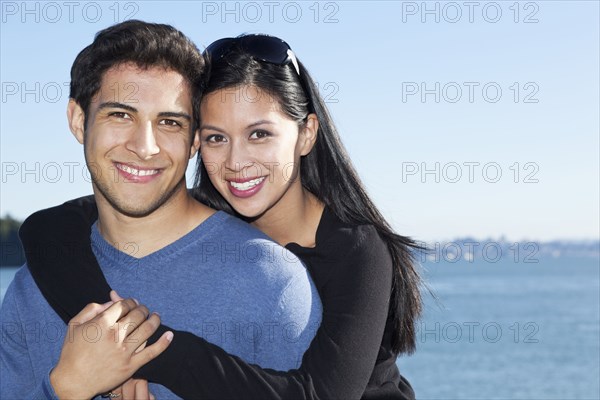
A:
(150, 233)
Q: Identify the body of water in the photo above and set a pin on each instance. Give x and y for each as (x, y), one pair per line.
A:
(509, 330)
(503, 330)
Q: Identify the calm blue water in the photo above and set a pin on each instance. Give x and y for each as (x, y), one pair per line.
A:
(504, 331)
(509, 331)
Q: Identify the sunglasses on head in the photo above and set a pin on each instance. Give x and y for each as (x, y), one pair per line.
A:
(261, 47)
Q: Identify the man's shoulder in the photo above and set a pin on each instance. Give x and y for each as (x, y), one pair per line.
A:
(23, 294)
(22, 281)
(234, 229)
(236, 238)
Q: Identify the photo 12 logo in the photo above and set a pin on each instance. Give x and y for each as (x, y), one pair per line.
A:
(488, 251)
(473, 331)
(270, 12)
(469, 172)
(36, 92)
(469, 92)
(452, 12)
(53, 12)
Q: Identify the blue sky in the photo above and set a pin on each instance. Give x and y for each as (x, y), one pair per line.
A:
(477, 119)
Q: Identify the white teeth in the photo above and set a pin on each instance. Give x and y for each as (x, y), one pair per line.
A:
(247, 185)
(137, 172)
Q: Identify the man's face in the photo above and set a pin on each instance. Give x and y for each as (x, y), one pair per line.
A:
(138, 138)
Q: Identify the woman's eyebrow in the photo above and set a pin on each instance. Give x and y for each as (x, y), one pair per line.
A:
(261, 122)
(211, 127)
(252, 125)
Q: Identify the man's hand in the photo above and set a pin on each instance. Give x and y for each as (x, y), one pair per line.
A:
(99, 351)
(134, 389)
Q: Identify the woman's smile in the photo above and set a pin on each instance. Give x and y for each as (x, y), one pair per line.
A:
(246, 187)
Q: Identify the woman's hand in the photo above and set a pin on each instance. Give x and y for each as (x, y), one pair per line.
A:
(99, 351)
(134, 389)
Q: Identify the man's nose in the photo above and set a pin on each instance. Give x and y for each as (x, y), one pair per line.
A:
(143, 142)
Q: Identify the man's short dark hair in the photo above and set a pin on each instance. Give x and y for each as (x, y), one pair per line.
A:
(144, 44)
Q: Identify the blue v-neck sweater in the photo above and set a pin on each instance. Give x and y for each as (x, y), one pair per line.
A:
(224, 281)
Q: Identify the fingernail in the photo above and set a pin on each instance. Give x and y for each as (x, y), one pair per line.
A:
(136, 302)
(169, 336)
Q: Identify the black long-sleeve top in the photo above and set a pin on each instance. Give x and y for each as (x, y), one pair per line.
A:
(350, 356)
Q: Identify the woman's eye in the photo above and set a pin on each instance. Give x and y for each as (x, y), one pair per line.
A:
(215, 139)
(259, 135)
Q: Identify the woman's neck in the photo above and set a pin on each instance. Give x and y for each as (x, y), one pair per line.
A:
(294, 220)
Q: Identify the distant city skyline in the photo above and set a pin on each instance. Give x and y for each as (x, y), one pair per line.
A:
(464, 119)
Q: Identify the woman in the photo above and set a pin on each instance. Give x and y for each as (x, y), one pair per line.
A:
(271, 155)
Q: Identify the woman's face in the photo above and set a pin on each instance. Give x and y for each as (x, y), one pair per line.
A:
(251, 150)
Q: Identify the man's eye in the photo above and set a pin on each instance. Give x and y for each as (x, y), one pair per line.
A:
(170, 122)
(259, 135)
(120, 114)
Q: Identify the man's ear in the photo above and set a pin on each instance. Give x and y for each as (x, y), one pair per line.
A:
(76, 118)
(195, 144)
(309, 134)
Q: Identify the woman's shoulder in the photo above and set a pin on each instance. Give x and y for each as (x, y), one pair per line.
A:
(62, 216)
(80, 203)
(333, 231)
(348, 255)
(348, 240)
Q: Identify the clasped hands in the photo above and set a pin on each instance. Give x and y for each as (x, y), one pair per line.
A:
(104, 346)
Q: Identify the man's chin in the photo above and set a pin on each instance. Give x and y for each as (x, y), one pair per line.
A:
(138, 206)
(135, 207)
(135, 212)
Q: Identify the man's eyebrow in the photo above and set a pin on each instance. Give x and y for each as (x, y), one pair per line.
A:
(175, 115)
(114, 104)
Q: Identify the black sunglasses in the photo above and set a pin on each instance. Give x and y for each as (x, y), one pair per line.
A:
(265, 48)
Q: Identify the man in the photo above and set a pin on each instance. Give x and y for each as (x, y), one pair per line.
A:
(134, 101)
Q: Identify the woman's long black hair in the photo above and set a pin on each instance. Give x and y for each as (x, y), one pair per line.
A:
(326, 171)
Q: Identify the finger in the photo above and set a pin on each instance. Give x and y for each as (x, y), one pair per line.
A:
(133, 319)
(120, 391)
(151, 397)
(89, 312)
(141, 390)
(142, 347)
(144, 330)
(117, 310)
(127, 390)
(151, 352)
(114, 296)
